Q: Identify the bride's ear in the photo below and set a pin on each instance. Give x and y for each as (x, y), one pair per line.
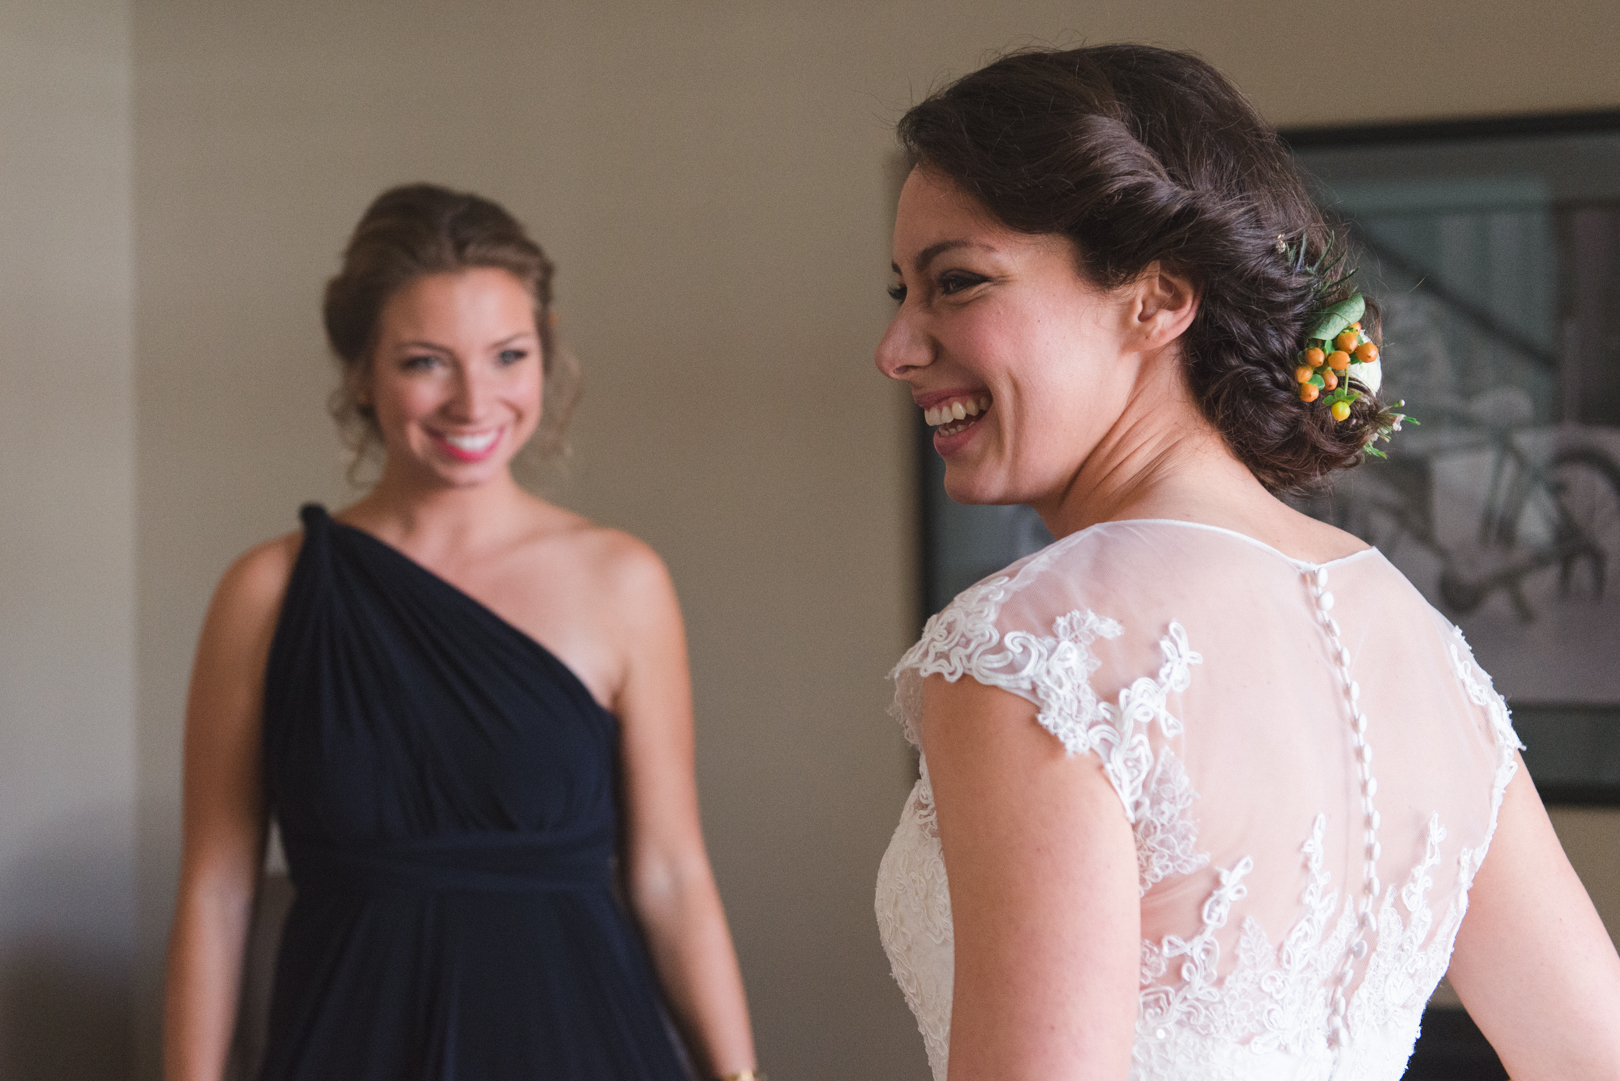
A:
(1166, 300)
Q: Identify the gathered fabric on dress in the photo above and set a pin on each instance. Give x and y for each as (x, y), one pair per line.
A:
(1310, 759)
(447, 795)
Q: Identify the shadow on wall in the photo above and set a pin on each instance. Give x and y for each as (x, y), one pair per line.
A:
(64, 1013)
(66, 946)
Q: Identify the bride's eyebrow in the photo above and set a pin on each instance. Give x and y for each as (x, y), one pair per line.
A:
(934, 251)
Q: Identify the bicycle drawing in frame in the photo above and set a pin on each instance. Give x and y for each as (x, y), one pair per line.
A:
(1493, 250)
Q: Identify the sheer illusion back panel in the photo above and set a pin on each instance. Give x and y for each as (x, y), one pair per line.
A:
(1309, 758)
(447, 795)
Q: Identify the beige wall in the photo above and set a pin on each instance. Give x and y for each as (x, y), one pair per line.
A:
(1591, 840)
(710, 179)
(67, 644)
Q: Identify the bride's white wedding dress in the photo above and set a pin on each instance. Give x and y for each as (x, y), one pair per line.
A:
(1310, 758)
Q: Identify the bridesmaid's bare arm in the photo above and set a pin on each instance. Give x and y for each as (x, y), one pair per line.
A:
(670, 882)
(224, 815)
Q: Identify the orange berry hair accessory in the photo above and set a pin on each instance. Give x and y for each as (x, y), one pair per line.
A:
(1337, 349)
(1333, 347)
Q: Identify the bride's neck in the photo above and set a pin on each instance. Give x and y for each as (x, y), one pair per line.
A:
(1161, 459)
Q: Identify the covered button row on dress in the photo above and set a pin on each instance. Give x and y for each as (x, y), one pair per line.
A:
(1316, 580)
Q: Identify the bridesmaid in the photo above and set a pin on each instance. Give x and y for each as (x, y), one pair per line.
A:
(469, 712)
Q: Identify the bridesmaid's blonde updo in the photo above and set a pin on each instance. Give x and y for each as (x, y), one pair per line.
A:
(413, 231)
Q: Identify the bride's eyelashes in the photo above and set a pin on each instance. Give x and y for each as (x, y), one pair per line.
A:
(949, 283)
(956, 281)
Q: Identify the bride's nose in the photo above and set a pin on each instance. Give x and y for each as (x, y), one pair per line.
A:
(903, 347)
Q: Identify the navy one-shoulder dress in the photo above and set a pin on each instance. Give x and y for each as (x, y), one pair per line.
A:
(446, 791)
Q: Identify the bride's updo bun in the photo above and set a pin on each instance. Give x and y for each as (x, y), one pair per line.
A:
(1139, 155)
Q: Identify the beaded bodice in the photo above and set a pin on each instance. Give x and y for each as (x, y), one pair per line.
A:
(1299, 896)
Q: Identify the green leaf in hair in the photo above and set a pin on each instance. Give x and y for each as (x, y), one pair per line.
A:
(1338, 317)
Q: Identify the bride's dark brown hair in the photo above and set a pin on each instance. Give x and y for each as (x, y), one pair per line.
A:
(410, 232)
(1139, 155)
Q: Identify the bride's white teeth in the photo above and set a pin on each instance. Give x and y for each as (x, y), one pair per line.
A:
(952, 413)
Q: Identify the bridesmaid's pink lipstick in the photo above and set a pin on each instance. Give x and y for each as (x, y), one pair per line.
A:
(474, 447)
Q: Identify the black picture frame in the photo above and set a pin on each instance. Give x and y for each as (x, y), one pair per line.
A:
(1572, 740)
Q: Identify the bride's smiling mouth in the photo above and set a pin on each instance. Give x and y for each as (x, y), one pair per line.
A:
(953, 413)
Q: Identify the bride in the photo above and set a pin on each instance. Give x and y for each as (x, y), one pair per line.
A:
(1208, 790)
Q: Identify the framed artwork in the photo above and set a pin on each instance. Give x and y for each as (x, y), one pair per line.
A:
(1493, 251)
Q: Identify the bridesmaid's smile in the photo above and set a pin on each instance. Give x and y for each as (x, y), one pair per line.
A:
(468, 447)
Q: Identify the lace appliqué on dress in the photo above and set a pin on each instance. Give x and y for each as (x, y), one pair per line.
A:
(1338, 996)
(914, 920)
(1482, 692)
(960, 640)
(1276, 1000)
(1119, 735)
(1054, 672)
(1166, 832)
(1412, 953)
(1267, 1003)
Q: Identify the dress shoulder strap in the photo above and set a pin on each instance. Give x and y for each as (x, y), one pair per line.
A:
(306, 603)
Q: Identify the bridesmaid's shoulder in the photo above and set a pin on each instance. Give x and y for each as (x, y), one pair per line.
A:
(258, 577)
(613, 561)
(620, 558)
(606, 556)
